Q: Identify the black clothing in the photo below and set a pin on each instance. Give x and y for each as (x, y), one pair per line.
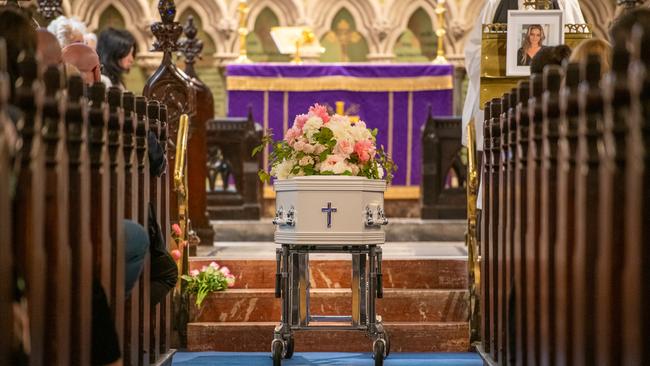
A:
(105, 344)
(164, 272)
(501, 14)
(520, 54)
(157, 159)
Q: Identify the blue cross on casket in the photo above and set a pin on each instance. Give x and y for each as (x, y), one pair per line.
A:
(329, 209)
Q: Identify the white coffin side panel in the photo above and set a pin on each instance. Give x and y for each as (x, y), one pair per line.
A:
(308, 196)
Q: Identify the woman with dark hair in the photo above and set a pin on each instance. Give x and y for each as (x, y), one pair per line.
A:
(116, 49)
(533, 42)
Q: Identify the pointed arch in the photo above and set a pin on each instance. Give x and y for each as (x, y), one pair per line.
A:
(133, 12)
(403, 11)
(287, 11)
(363, 13)
(210, 12)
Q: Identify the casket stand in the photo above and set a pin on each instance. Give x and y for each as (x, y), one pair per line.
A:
(329, 214)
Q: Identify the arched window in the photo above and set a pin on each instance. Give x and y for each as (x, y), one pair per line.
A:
(208, 44)
(343, 43)
(259, 44)
(418, 42)
(111, 17)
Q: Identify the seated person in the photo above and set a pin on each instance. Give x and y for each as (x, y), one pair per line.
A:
(554, 55)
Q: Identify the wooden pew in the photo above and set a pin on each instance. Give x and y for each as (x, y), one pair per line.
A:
(28, 203)
(636, 273)
(566, 167)
(532, 218)
(58, 291)
(8, 142)
(611, 221)
(590, 105)
(510, 146)
(493, 215)
(548, 199)
(501, 248)
(76, 118)
(131, 200)
(116, 205)
(519, 221)
(155, 184)
(485, 227)
(197, 151)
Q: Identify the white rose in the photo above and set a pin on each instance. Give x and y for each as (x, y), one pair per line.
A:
(283, 169)
(312, 126)
(306, 160)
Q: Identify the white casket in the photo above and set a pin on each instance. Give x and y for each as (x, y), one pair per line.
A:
(329, 210)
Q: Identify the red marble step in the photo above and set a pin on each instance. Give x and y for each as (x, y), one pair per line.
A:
(398, 305)
(414, 274)
(257, 337)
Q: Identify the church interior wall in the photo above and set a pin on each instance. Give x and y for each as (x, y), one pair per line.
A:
(381, 23)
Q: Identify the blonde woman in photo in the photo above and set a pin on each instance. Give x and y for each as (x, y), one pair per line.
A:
(533, 42)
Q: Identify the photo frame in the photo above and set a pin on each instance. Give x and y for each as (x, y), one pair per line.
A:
(528, 32)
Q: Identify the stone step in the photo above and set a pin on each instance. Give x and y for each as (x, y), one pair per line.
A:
(397, 305)
(399, 229)
(257, 337)
(440, 273)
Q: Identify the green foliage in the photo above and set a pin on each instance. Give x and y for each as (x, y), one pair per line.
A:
(208, 280)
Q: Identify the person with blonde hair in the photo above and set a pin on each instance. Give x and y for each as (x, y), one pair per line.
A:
(533, 42)
(596, 46)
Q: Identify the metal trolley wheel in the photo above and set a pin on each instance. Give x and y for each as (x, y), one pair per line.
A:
(379, 351)
(276, 351)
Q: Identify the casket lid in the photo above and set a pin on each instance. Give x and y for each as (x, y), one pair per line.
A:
(330, 183)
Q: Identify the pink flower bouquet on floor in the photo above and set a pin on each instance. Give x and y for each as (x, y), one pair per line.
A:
(323, 144)
(210, 278)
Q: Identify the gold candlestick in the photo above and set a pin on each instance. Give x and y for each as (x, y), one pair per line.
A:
(243, 10)
(440, 33)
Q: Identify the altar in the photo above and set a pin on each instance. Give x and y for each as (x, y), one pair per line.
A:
(394, 98)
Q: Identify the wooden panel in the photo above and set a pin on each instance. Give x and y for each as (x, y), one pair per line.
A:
(99, 214)
(57, 313)
(132, 301)
(548, 199)
(590, 104)
(116, 203)
(532, 220)
(143, 215)
(567, 143)
(7, 150)
(29, 204)
(79, 222)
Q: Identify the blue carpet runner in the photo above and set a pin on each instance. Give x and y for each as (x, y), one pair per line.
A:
(325, 358)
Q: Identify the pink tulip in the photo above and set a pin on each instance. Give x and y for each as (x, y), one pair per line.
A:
(194, 272)
(176, 254)
(177, 230)
(225, 271)
(214, 265)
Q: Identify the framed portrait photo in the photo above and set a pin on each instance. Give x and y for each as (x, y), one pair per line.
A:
(528, 32)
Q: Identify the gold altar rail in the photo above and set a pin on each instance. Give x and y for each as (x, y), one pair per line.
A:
(350, 83)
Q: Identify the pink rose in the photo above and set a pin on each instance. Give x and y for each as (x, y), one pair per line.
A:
(194, 272)
(230, 279)
(300, 120)
(299, 145)
(343, 147)
(320, 111)
(177, 230)
(176, 254)
(365, 150)
(291, 135)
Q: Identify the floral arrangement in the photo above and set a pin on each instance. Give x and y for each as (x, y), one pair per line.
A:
(322, 144)
(209, 279)
(177, 235)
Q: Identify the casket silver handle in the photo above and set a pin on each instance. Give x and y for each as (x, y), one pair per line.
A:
(280, 219)
(380, 217)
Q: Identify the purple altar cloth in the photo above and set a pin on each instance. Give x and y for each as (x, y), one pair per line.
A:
(397, 104)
